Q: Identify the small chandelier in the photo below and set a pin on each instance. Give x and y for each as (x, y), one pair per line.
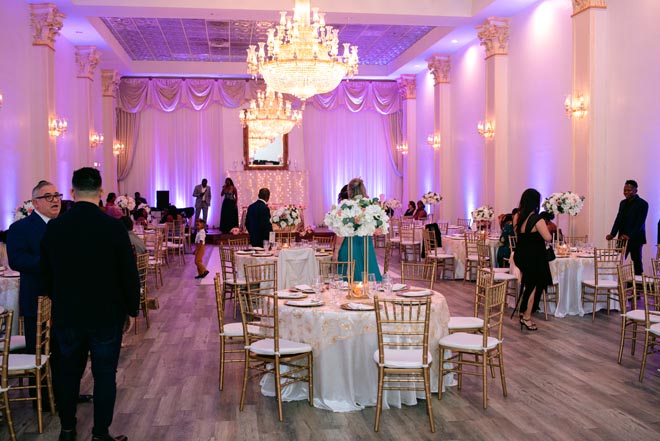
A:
(486, 129)
(57, 127)
(575, 106)
(402, 148)
(302, 57)
(95, 139)
(117, 148)
(270, 115)
(434, 141)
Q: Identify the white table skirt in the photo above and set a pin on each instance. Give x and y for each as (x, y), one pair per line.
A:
(344, 342)
(456, 246)
(9, 297)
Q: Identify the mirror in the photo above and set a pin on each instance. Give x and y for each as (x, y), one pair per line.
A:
(274, 156)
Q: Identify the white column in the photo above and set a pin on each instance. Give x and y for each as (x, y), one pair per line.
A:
(440, 67)
(494, 37)
(407, 88)
(87, 58)
(110, 82)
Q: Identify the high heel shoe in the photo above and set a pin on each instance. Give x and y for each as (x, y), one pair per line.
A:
(530, 327)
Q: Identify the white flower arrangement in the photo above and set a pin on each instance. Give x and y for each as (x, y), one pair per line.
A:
(431, 198)
(125, 202)
(286, 216)
(23, 210)
(145, 207)
(564, 203)
(357, 217)
(392, 204)
(483, 213)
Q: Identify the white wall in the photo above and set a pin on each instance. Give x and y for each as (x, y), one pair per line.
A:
(426, 179)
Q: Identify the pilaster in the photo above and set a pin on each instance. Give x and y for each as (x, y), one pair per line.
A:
(109, 84)
(407, 88)
(440, 68)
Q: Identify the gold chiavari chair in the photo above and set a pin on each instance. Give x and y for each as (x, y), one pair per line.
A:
(512, 243)
(143, 270)
(240, 243)
(285, 237)
(631, 317)
(618, 243)
(418, 272)
(474, 323)
(6, 320)
(657, 252)
(265, 351)
(394, 238)
(154, 244)
(485, 348)
(465, 223)
(655, 267)
(411, 242)
(651, 319)
(231, 283)
(329, 267)
(572, 241)
(176, 241)
(472, 238)
(604, 285)
(325, 242)
(403, 355)
(444, 228)
(37, 366)
(232, 342)
(444, 261)
(500, 274)
(388, 257)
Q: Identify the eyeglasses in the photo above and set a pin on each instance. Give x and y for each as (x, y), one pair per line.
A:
(50, 197)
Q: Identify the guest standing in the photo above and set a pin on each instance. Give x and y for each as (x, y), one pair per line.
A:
(411, 209)
(530, 256)
(257, 220)
(110, 208)
(420, 212)
(629, 224)
(504, 249)
(202, 195)
(356, 188)
(200, 248)
(229, 212)
(91, 275)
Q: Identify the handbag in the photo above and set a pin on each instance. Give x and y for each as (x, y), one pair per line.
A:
(550, 254)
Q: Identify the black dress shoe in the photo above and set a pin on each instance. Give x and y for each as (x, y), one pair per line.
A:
(108, 437)
(84, 398)
(67, 435)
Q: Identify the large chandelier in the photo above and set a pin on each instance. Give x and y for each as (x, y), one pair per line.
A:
(302, 58)
(269, 116)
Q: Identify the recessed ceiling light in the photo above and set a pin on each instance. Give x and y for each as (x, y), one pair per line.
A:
(454, 41)
(79, 32)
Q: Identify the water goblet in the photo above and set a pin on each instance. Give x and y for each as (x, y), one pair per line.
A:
(317, 286)
(266, 245)
(371, 278)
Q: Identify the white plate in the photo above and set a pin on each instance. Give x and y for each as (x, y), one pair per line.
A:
(257, 248)
(354, 306)
(243, 253)
(291, 295)
(262, 254)
(422, 293)
(304, 303)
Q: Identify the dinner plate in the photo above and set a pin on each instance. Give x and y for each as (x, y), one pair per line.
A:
(418, 293)
(244, 253)
(307, 303)
(354, 306)
(262, 254)
(321, 254)
(585, 255)
(291, 295)
(257, 248)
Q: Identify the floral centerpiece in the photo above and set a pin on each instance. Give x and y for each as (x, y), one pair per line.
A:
(564, 203)
(23, 210)
(235, 231)
(145, 207)
(357, 217)
(286, 216)
(483, 213)
(125, 203)
(308, 231)
(431, 198)
(392, 204)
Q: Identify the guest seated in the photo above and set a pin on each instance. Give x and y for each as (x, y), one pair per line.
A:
(141, 216)
(504, 251)
(110, 208)
(171, 214)
(411, 209)
(139, 199)
(138, 244)
(420, 213)
(552, 228)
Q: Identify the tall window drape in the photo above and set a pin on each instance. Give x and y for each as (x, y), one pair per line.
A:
(127, 130)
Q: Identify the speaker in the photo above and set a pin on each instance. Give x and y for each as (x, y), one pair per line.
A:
(162, 199)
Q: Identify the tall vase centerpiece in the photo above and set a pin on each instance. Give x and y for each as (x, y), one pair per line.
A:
(286, 218)
(392, 205)
(361, 217)
(482, 217)
(126, 203)
(431, 198)
(568, 203)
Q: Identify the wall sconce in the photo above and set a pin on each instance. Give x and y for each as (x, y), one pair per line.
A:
(1, 98)
(486, 129)
(57, 127)
(96, 164)
(117, 148)
(575, 106)
(434, 141)
(95, 139)
(402, 148)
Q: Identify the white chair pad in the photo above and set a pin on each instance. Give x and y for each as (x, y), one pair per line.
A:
(601, 283)
(655, 329)
(472, 257)
(465, 323)
(238, 281)
(403, 358)
(287, 347)
(17, 342)
(463, 340)
(439, 254)
(236, 330)
(501, 270)
(639, 315)
(18, 362)
(504, 276)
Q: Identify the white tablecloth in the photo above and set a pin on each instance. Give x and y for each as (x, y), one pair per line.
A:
(9, 297)
(344, 342)
(456, 246)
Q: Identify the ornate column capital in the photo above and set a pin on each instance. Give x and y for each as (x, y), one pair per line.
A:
(109, 82)
(494, 36)
(440, 66)
(46, 22)
(87, 58)
(583, 5)
(407, 86)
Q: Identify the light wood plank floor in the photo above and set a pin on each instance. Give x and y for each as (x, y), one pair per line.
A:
(563, 381)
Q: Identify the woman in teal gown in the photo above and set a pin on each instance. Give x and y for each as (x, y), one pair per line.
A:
(356, 188)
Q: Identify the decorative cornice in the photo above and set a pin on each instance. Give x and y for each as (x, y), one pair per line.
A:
(46, 23)
(583, 5)
(494, 36)
(109, 82)
(407, 86)
(440, 66)
(87, 58)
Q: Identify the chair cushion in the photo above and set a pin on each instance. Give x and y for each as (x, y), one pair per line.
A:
(465, 323)
(439, 254)
(287, 347)
(655, 329)
(19, 362)
(237, 282)
(236, 330)
(601, 283)
(472, 257)
(504, 276)
(403, 358)
(17, 342)
(464, 340)
(501, 270)
(638, 314)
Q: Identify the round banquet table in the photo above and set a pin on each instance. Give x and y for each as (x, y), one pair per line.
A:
(456, 245)
(344, 342)
(9, 297)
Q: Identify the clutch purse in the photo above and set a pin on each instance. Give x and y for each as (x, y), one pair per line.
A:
(550, 254)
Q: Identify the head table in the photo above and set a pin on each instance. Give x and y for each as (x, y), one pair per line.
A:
(344, 342)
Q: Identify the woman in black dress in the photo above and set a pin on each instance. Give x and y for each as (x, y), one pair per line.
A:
(530, 257)
(411, 209)
(229, 212)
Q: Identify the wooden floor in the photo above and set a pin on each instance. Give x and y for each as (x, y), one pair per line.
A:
(563, 381)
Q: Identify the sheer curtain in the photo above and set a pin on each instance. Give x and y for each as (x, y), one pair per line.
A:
(174, 151)
(341, 145)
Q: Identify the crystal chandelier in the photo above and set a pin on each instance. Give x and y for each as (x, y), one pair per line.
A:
(302, 58)
(270, 115)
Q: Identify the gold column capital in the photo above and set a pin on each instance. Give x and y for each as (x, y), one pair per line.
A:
(47, 21)
(494, 36)
(407, 86)
(109, 82)
(440, 67)
(87, 58)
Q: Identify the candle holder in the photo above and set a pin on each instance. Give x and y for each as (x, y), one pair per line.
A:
(358, 291)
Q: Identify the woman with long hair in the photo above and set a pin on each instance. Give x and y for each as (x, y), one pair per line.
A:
(356, 188)
(411, 209)
(530, 256)
(229, 211)
(420, 212)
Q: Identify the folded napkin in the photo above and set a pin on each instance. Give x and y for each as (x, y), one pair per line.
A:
(304, 302)
(422, 293)
(399, 287)
(360, 306)
(304, 288)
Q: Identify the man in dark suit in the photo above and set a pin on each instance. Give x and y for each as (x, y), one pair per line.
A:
(629, 223)
(91, 275)
(24, 255)
(257, 220)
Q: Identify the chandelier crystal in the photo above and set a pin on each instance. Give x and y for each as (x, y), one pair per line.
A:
(301, 56)
(269, 116)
